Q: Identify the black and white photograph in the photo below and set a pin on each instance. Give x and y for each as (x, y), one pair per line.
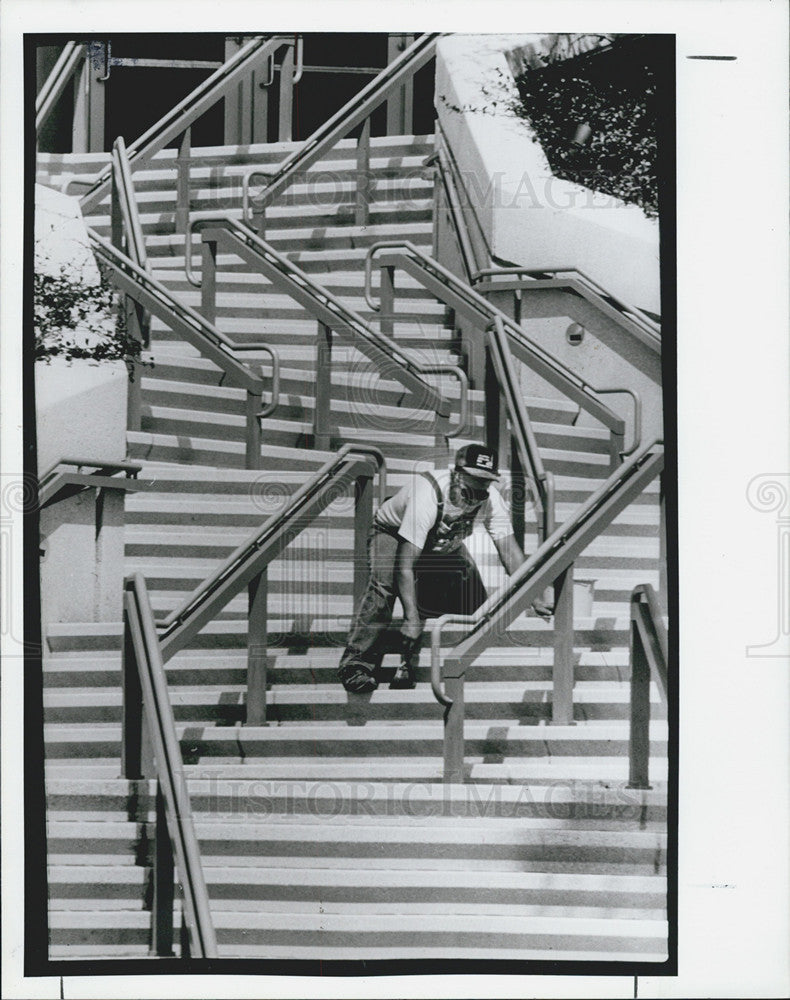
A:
(352, 491)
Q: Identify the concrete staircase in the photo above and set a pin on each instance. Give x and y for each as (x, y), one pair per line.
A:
(328, 834)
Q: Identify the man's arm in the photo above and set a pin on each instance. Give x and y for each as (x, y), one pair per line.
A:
(512, 557)
(405, 559)
(510, 553)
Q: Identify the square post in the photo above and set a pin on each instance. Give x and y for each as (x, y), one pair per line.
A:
(518, 496)
(116, 220)
(363, 521)
(182, 181)
(208, 280)
(639, 742)
(132, 709)
(362, 213)
(285, 130)
(89, 98)
(257, 642)
(563, 670)
(258, 223)
(496, 428)
(163, 883)
(454, 727)
(134, 316)
(252, 456)
(400, 105)
(387, 300)
(616, 447)
(323, 388)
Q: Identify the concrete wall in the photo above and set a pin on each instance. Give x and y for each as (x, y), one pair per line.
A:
(82, 540)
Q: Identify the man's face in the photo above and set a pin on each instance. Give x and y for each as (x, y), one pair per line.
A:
(467, 490)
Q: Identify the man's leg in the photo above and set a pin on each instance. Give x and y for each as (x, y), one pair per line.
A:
(361, 655)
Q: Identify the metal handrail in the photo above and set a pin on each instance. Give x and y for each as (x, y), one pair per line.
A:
(521, 425)
(128, 203)
(131, 469)
(353, 113)
(649, 657)
(244, 554)
(57, 483)
(169, 766)
(554, 554)
(55, 84)
(152, 294)
(319, 299)
(630, 318)
(486, 313)
(449, 173)
(646, 592)
(187, 111)
(460, 229)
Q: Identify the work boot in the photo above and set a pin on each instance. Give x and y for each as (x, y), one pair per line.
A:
(356, 680)
(405, 676)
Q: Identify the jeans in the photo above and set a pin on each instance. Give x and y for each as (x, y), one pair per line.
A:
(446, 583)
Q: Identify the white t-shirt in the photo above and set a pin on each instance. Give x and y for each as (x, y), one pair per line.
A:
(412, 513)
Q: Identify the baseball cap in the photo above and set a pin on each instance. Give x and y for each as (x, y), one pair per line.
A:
(478, 460)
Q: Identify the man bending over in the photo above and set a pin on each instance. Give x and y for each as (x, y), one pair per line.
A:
(416, 553)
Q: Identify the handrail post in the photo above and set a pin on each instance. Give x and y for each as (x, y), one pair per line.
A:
(518, 497)
(454, 724)
(496, 430)
(363, 522)
(362, 214)
(285, 127)
(116, 219)
(639, 742)
(257, 649)
(252, 456)
(132, 735)
(163, 877)
(616, 449)
(134, 316)
(208, 286)
(182, 182)
(400, 104)
(563, 669)
(323, 387)
(387, 300)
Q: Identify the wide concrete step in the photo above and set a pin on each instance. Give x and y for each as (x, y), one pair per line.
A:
(412, 434)
(306, 237)
(399, 153)
(181, 372)
(358, 737)
(419, 893)
(212, 452)
(505, 665)
(386, 936)
(527, 631)
(536, 771)
(224, 704)
(74, 798)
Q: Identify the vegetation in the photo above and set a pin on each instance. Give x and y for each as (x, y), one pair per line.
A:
(595, 116)
(75, 319)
